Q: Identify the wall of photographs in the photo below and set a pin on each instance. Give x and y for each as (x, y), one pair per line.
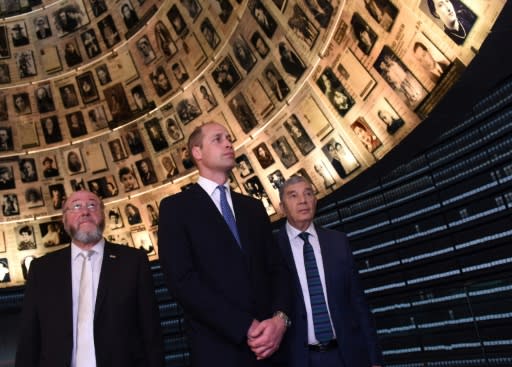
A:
(102, 95)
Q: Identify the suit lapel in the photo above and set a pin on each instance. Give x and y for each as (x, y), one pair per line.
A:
(107, 267)
(67, 294)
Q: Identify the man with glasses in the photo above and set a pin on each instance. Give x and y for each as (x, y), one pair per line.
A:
(91, 303)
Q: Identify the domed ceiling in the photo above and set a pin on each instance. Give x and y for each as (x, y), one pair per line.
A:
(102, 95)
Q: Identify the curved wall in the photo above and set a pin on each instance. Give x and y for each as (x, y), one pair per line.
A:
(93, 98)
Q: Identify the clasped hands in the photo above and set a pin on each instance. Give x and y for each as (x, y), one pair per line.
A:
(264, 337)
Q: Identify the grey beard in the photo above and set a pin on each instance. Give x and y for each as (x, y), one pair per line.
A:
(90, 237)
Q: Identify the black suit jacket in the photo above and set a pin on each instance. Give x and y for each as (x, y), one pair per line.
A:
(221, 287)
(353, 322)
(126, 320)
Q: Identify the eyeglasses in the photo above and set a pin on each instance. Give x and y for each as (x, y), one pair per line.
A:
(90, 206)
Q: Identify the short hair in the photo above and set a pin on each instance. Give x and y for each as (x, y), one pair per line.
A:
(25, 229)
(47, 159)
(291, 181)
(113, 213)
(419, 45)
(125, 171)
(195, 139)
(432, 8)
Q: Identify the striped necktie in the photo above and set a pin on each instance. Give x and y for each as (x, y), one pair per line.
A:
(321, 321)
(228, 214)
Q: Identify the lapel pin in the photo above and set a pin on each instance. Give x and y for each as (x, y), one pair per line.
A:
(112, 256)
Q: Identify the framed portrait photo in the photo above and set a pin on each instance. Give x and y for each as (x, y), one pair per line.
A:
(87, 87)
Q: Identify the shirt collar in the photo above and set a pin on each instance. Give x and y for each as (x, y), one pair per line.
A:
(98, 248)
(293, 233)
(210, 186)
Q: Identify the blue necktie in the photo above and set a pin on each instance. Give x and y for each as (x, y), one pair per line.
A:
(321, 321)
(227, 213)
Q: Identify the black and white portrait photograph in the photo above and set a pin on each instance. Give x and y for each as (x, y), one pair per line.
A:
(19, 35)
(91, 44)
(102, 187)
(139, 98)
(388, 116)
(400, 78)
(223, 9)
(76, 124)
(51, 129)
(6, 142)
(109, 31)
(129, 15)
(103, 74)
(113, 218)
(5, 51)
(365, 134)
(53, 234)
(169, 167)
(320, 10)
(117, 104)
(209, 33)
(10, 205)
(243, 166)
(226, 75)
(263, 18)
(7, 178)
(205, 97)
(263, 155)
(164, 40)
(243, 53)
(426, 61)
(25, 265)
(156, 134)
(25, 237)
(50, 168)
(28, 170)
(21, 102)
(290, 60)
(365, 36)
(180, 72)
(69, 18)
(87, 87)
(134, 141)
(284, 152)
(98, 7)
(188, 109)
(454, 17)
(5, 276)
(160, 81)
(276, 83)
(276, 179)
(44, 98)
(173, 130)
(25, 63)
(335, 92)
(74, 161)
(72, 53)
(299, 135)
(42, 27)
(4, 112)
(145, 49)
(146, 171)
(5, 75)
(193, 8)
(128, 179)
(117, 150)
(97, 117)
(69, 96)
(132, 214)
(302, 27)
(259, 44)
(383, 12)
(178, 23)
(142, 240)
(341, 158)
(34, 197)
(242, 112)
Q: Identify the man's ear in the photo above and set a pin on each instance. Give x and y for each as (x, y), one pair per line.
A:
(196, 153)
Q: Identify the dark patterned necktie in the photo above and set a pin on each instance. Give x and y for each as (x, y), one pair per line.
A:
(321, 321)
(227, 213)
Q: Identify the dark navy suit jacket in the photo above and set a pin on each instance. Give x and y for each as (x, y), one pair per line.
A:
(353, 322)
(221, 287)
(126, 319)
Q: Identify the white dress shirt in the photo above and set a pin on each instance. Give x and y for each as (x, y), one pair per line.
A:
(76, 270)
(297, 246)
(213, 191)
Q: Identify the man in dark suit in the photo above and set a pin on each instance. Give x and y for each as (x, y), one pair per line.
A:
(331, 323)
(91, 303)
(220, 262)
